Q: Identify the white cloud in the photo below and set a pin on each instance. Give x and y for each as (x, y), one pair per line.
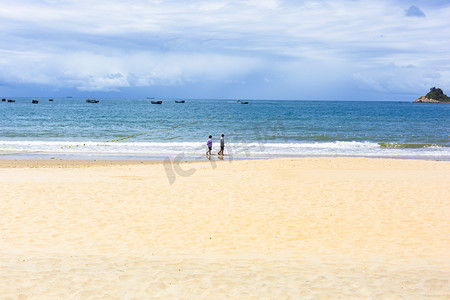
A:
(82, 44)
(89, 71)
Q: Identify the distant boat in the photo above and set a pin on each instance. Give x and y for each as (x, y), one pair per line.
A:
(69, 97)
(179, 101)
(242, 102)
(157, 102)
(11, 100)
(91, 101)
(3, 100)
(51, 100)
(150, 97)
(34, 101)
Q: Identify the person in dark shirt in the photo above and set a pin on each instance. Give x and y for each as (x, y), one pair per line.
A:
(222, 145)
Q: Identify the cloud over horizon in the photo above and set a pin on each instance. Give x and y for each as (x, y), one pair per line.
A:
(257, 49)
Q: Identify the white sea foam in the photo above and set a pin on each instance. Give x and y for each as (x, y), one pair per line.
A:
(242, 150)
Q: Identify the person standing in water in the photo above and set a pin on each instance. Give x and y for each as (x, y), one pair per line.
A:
(222, 145)
(209, 144)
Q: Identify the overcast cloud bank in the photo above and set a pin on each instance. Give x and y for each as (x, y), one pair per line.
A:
(342, 49)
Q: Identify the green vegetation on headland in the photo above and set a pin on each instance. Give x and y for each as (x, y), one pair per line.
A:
(435, 95)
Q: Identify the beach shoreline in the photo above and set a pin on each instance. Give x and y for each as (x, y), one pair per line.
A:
(274, 228)
(193, 157)
(101, 160)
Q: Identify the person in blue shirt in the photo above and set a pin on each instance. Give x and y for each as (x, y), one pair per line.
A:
(209, 144)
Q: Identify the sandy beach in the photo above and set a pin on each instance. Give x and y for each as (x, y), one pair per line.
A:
(304, 228)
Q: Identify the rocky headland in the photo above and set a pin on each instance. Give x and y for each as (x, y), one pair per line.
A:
(435, 95)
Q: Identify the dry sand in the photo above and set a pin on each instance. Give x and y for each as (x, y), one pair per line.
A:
(307, 228)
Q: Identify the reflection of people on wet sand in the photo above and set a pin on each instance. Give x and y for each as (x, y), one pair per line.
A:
(209, 144)
(222, 145)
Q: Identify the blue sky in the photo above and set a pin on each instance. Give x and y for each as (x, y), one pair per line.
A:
(251, 49)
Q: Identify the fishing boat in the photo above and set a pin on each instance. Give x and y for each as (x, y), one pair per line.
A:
(179, 101)
(51, 100)
(11, 100)
(3, 100)
(157, 102)
(34, 101)
(242, 102)
(91, 101)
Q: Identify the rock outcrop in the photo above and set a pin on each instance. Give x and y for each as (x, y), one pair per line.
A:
(424, 99)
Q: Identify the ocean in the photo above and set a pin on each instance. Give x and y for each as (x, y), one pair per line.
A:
(70, 128)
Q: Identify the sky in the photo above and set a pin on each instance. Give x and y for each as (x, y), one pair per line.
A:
(250, 49)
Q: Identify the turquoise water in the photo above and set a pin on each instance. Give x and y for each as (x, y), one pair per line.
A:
(258, 129)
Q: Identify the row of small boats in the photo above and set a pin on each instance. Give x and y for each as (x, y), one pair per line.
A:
(34, 101)
(160, 102)
(153, 101)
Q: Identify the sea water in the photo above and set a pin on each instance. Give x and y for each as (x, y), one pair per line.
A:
(136, 129)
